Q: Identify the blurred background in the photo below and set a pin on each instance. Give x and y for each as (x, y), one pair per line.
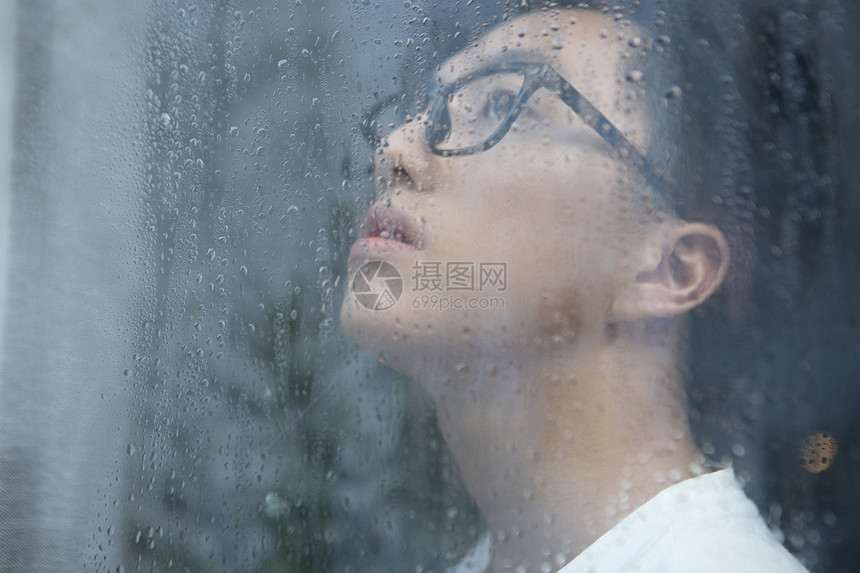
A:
(179, 186)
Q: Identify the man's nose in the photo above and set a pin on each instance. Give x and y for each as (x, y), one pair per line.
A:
(404, 160)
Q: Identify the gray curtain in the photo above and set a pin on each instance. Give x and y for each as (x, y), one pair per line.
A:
(72, 282)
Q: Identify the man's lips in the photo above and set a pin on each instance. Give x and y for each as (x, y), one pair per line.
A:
(386, 229)
(389, 222)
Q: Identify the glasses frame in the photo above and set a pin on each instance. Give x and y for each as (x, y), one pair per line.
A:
(535, 76)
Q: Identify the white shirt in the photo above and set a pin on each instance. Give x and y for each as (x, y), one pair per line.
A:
(701, 525)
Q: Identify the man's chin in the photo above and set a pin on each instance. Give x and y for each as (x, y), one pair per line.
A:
(379, 337)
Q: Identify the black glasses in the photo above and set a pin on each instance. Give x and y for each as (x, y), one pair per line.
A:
(476, 111)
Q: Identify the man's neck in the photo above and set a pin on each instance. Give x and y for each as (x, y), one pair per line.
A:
(557, 447)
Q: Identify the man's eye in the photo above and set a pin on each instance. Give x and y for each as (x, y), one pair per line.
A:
(499, 103)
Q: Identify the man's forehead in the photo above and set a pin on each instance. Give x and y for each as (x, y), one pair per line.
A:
(551, 36)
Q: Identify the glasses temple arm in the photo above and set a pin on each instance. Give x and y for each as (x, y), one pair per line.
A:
(611, 134)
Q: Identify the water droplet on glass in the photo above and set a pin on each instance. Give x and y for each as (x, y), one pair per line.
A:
(275, 505)
(673, 92)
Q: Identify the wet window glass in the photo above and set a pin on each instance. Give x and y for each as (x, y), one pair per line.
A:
(470, 286)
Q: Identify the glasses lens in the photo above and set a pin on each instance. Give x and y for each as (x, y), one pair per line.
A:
(478, 108)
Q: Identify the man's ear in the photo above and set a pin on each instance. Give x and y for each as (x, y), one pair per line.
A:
(693, 260)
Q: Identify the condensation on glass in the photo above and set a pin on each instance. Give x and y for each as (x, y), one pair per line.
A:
(188, 178)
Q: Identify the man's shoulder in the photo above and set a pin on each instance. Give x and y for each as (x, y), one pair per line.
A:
(704, 524)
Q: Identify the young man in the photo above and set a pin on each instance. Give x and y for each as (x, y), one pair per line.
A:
(562, 404)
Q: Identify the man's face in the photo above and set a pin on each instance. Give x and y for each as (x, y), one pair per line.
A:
(541, 210)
